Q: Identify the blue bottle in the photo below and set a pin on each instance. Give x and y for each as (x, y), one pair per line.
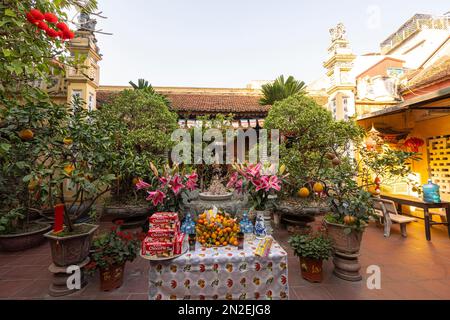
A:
(431, 192)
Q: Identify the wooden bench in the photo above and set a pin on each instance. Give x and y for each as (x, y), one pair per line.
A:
(387, 211)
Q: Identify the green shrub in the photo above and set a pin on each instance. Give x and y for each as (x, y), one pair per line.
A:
(311, 246)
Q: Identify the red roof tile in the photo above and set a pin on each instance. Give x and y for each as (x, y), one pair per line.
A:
(200, 104)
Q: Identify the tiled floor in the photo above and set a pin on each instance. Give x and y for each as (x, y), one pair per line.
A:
(411, 268)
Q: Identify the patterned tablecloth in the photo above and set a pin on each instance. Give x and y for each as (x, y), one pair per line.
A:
(224, 273)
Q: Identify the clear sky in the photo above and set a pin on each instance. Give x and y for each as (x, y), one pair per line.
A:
(228, 43)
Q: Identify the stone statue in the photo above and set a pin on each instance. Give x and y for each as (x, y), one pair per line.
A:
(217, 187)
(338, 33)
(86, 23)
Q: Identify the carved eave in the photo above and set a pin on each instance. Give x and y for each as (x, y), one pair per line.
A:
(339, 58)
(348, 87)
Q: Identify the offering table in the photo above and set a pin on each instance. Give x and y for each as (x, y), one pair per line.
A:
(221, 273)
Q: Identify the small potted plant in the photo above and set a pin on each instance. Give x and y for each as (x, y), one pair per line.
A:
(312, 250)
(110, 253)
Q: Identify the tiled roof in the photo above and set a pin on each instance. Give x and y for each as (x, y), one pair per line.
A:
(438, 72)
(200, 104)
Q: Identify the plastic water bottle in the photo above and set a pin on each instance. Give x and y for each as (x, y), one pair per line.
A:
(431, 192)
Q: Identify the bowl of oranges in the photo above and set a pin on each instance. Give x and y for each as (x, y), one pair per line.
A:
(217, 229)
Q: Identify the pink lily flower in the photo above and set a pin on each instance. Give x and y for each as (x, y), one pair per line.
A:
(261, 184)
(191, 184)
(233, 180)
(239, 186)
(254, 170)
(156, 197)
(142, 185)
(274, 183)
(164, 181)
(176, 184)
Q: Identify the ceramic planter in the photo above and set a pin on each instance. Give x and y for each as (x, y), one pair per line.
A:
(311, 269)
(23, 241)
(112, 278)
(73, 249)
(346, 251)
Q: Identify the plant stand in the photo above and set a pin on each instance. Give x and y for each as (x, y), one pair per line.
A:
(347, 266)
(59, 288)
(346, 251)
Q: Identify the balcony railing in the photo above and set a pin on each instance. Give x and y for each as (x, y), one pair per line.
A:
(416, 23)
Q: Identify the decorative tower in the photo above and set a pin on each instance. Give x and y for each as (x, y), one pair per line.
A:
(341, 93)
(84, 81)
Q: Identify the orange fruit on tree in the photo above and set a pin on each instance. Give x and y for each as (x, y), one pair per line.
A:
(318, 187)
(32, 184)
(68, 169)
(349, 220)
(26, 134)
(303, 192)
(68, 141)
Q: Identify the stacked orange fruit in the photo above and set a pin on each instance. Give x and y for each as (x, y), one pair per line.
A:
(217, 230)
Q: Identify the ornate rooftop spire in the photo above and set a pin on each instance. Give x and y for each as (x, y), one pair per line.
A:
(86, 23)
(338, 33)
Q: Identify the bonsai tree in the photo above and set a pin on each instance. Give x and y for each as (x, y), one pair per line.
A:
(31, 125)
(281, 89)
(143, 125)
(310, 136)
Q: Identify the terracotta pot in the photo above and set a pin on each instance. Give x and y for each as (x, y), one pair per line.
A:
(71, 250)
(112, 278)
(23, 241)
(345, 243)
(311, 269)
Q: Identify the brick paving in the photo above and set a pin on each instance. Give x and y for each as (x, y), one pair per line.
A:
(412, 268)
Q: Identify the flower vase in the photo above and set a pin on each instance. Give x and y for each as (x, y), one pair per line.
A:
(260, 226)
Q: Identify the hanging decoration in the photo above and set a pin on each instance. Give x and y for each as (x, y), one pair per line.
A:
(49, 24)
(413, 144)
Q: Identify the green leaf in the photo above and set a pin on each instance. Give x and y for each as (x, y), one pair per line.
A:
(10, 13)
(5, 147)
(6, 52)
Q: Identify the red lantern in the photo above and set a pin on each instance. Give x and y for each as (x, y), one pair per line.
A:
(50, 17)
(414, 144)
(37, 15)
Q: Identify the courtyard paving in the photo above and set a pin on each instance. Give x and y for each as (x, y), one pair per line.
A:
(411, 268)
